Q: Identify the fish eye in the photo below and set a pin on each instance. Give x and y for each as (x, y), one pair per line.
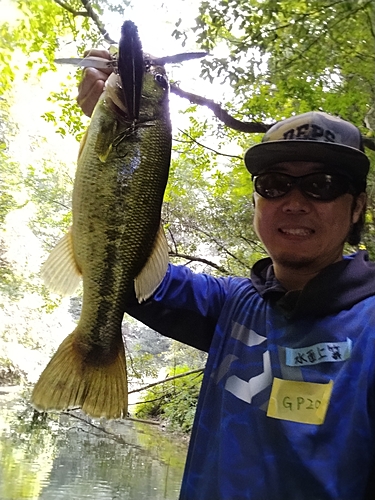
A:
(162, 81)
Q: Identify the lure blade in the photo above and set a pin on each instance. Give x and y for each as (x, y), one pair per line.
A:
(88, 62)
(178, 58)
(131, 67)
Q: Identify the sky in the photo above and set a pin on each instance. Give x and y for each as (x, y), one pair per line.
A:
(155, 30)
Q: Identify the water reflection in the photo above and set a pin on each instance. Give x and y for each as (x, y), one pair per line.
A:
(65, 457)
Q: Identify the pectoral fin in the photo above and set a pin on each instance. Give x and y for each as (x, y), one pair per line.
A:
(105, 138)
(60, 272)
(154, 270)
(82, 144)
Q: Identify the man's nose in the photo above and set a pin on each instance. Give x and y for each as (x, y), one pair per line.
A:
(296, 202)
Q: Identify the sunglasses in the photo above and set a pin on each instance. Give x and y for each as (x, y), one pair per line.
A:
(320, 186)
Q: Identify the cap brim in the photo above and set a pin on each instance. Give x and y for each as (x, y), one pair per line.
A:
(266, 154)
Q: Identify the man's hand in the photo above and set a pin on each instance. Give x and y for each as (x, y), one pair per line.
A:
(92, 84)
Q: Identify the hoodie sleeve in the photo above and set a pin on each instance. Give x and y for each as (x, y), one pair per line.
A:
(185, 307)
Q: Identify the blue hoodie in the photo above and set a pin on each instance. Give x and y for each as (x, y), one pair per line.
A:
(250, 439)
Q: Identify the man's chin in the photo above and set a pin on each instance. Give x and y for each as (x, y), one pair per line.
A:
(294, 262)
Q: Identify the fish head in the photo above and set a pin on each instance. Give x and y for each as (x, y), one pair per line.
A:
(139, 86)
(155, 87)
(154, 93)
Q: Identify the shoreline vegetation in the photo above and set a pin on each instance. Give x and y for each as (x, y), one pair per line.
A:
(167, 403)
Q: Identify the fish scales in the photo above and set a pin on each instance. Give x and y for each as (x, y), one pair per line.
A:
(113, 239)
(115, 242)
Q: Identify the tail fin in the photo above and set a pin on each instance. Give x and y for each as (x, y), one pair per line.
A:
(69, 382)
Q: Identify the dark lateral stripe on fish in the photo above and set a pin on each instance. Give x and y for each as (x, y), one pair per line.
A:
(131, 67)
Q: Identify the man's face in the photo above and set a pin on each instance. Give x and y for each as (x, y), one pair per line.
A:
(302, 233)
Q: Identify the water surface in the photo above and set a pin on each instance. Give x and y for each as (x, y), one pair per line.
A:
(67, 456)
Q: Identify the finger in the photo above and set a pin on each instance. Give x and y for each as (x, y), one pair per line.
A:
(100, 53)
(97, 53)
(88, 103)
(89, 78)
(90, 89)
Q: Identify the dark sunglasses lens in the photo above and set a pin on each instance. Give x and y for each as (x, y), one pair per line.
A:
(324, 187)
(272, 185)
(319, 186)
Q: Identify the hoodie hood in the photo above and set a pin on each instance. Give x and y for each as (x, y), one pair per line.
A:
(336, 288)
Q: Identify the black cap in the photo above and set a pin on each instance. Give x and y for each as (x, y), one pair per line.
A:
(313, 136)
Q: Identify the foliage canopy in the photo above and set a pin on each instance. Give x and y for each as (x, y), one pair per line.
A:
(280, 57)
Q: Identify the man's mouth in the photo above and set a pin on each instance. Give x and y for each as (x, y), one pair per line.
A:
(298, 231)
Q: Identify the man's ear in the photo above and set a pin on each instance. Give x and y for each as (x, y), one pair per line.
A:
(359, 208)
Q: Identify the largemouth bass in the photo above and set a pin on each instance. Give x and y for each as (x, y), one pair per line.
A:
(116, 242)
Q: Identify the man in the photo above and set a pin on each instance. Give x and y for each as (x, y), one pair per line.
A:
(287, 407)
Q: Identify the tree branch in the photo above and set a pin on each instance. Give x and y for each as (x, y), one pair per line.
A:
(207, 147)
(143, 421)
(93, 15)
(369, 142)
(171, 235)
(233, 123)
(220, 113)
(70, 9)
(217, 242)
(89, 12)
(199, 259)
(168, 379)
(371, 21)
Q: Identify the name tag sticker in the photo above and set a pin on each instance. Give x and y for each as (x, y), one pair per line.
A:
(325, 352)
(304, 402)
